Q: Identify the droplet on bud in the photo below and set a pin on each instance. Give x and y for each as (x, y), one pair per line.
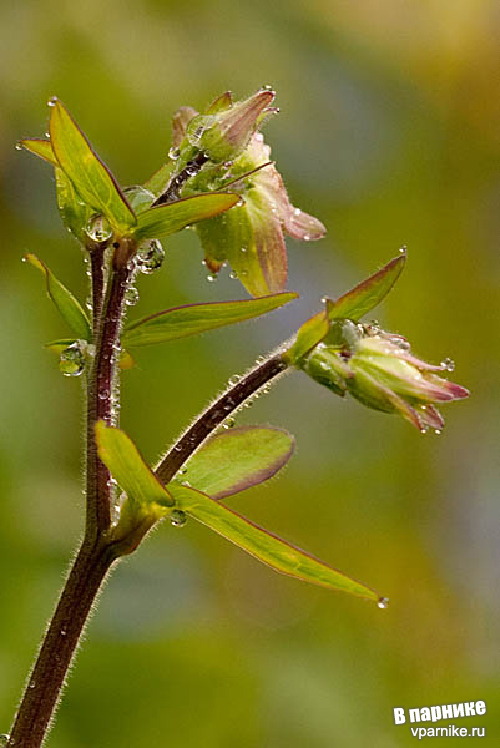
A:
(448, 364)
(72, 359)
(211, 277)
(150, 256)
(383, 602)
(178, 518)
(52, 101)
(402, 249)
(174, 153)
(4, 740)
(98, 228)
(228, 423)
(18, 147)
(233, 274)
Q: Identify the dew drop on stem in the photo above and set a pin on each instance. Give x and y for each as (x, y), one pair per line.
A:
(72, 359)
(131, 296)
(98, 228)
(150, 256)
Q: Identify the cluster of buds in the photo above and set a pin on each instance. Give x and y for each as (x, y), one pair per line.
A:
(379, 370)
(224, 150)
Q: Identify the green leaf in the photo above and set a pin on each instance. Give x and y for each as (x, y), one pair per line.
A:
(159, 180)
(172, 217)
(91, 178)
(308, 336)
(41, 148)
(128, 468)
(69, 308)
(193, 319)
(74, 213)
(276, 553)
(238, 459)
(365, 296)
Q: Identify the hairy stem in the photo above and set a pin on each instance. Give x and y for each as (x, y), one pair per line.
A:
(100, 404)
(97, 553)
(47, 678)
(216, 413)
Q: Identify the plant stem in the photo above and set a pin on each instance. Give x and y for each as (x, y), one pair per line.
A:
(97, 553)
(59, 645)
(216, 413)
(100, 404)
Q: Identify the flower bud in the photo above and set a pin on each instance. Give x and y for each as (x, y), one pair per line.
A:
(226, 134)
(379, 370)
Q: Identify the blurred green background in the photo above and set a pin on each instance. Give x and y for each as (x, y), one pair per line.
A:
(390, 133)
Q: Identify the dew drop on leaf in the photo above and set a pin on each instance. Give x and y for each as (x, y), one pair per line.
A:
(383, 602)
(178, 518)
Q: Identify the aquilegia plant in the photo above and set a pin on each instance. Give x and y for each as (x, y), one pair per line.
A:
(218, 177)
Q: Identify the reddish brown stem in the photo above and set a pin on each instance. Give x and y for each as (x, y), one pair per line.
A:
(59, 645)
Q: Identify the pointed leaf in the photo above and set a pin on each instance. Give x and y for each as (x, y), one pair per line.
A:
(250, 238)
(74, 213)
(128, 468)
(238, 459)
(222, 102)
(159, 180)
(69, 308)
(308, 336)
(276, 553)
(90, 177)
(172, 217)
(41, 148)
(194, 319)
(365, 296)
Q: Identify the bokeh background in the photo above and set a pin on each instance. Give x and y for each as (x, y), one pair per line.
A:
(390, 132)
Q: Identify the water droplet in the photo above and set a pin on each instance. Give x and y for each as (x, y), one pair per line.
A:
(233, 380)
(437, 431)
(18, 147)
(23, 259)
(402, 250)
(32, 684)
(63, 632)
(383, 602)
(98, 228)
(131, 296)
(233, 274)
(267, 88)
(296, 211)
(4, 740)
(211, 277)
(229, 423)
(178, 518)
(244, 250)
(72, 359)
(240, 203)
(260, 359)
(448, 364)
(52, 101)
(307, 238)
(174, 153)
(150, 256)
(324, 299)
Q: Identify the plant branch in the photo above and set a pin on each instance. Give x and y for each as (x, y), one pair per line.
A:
(100, 402)
(216, 414)
(47, 678)
(97, 553)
